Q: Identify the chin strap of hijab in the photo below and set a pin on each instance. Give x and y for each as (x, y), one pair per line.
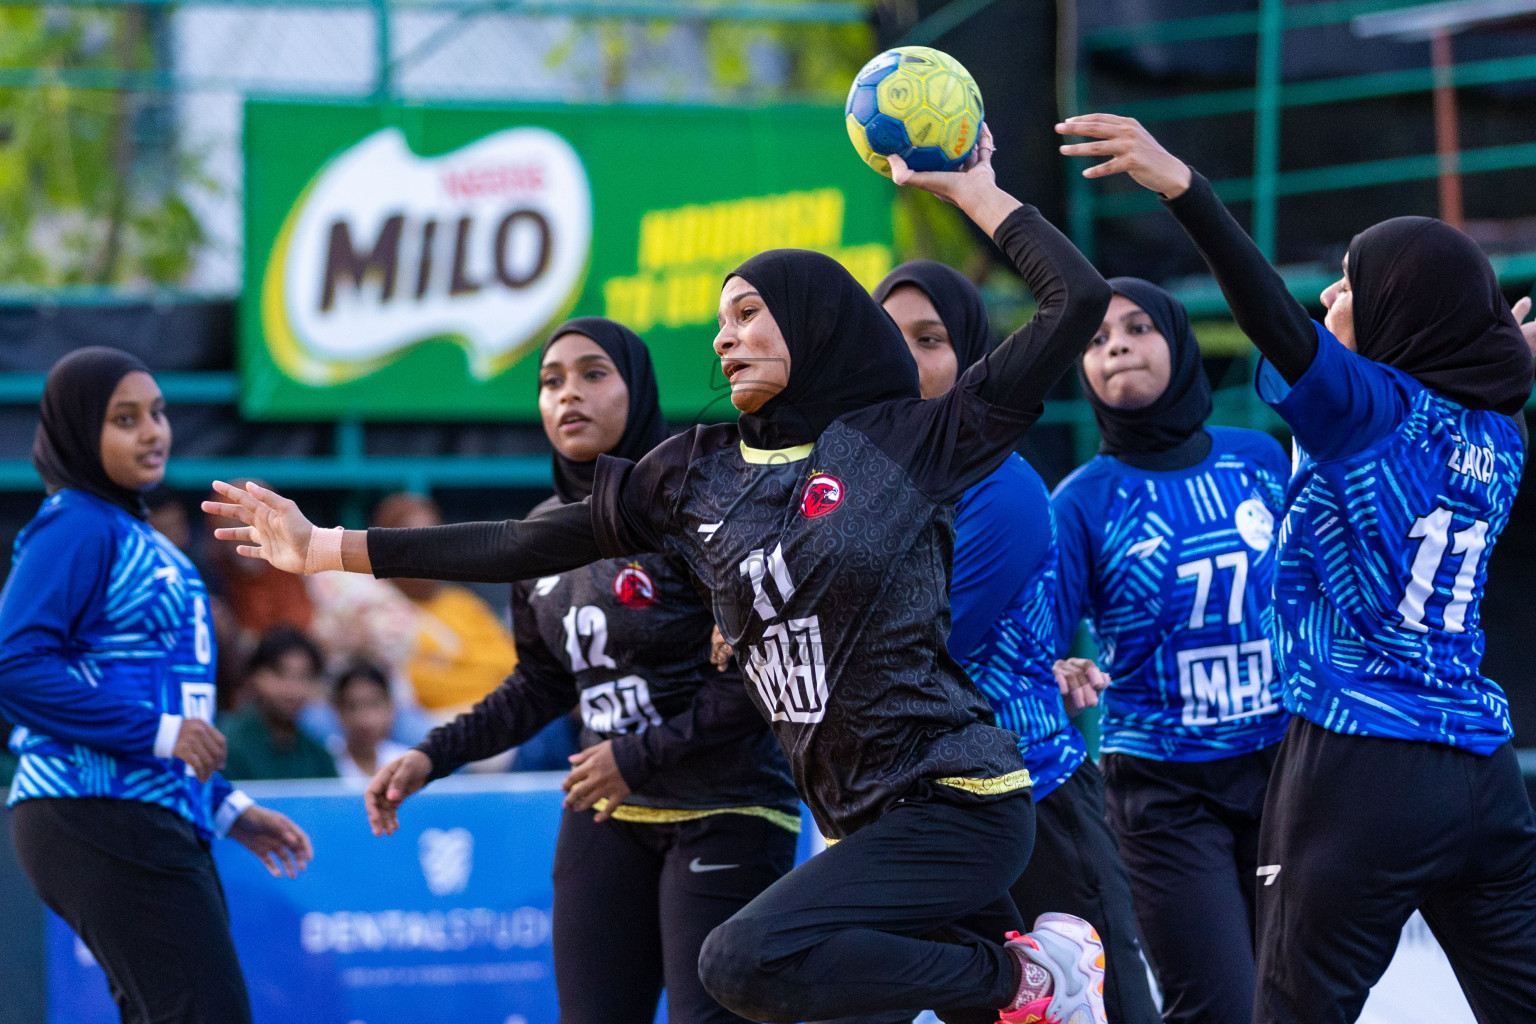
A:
(955, 298)
(845, 353)
(66, 450)
(1172, 426)
(1426, 300)
(644, 427)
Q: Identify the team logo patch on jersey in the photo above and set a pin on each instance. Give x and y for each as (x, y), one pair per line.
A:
(1255, 524)
(823, 493)
(634, 587)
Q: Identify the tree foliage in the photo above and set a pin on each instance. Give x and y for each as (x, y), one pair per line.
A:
(90, 188)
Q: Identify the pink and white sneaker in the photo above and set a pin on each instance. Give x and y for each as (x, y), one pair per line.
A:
(1069, 950)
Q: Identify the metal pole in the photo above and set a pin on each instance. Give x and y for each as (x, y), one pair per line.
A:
(1447, 133)
(384, 85)
(1266, 124)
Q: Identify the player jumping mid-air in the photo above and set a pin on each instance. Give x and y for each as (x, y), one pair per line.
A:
(820, 525)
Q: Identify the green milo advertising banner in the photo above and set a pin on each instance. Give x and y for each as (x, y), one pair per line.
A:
(407, 262)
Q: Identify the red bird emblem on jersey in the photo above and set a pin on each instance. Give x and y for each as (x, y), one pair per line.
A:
(823, 493)
(633, 587)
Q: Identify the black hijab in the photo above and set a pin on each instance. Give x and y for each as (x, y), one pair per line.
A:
(645, 426)
(845, 352)
(956, 299)
(1427, 301)
(66, 450)
(1175, 420)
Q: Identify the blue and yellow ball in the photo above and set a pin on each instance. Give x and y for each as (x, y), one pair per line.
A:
(914, 101)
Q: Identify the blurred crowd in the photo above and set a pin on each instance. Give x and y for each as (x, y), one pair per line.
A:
(337, 674)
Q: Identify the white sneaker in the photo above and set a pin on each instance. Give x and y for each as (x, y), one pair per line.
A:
(1070, 950)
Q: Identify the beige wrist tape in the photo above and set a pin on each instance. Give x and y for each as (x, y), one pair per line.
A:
(324, 552)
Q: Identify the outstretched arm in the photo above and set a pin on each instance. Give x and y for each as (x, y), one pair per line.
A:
(1261, 304)
(556, 540)
(1070, 293)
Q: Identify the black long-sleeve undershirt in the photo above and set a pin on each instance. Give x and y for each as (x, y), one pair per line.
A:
(1279, 326)
(1071, 297)
(549, 541)
(945, 450)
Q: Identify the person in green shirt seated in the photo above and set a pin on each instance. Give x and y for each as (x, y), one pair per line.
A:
(265, 741)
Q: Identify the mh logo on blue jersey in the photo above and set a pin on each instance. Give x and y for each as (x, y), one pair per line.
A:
(1226, 683)
(1174, 571)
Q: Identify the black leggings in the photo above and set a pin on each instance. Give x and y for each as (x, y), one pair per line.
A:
(633, 903)
(907, 912)
(138, 886)
(1358, 833)
(1189, 836)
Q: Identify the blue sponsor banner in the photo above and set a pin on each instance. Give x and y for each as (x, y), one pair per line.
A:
(447, 920)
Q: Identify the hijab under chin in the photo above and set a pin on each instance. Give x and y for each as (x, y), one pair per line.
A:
(845, 353)
(955, 298)
(66, 450)
(1426, 300)
(644, 426)
(1179, 413)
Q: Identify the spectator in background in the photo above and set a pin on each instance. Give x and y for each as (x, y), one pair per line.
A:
(259, 597)
(265, 741)
(463, 649)
(169, 516)
(367, 713)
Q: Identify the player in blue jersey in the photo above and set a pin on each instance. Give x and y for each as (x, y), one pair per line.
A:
(1003, 632)
(1167, 548)
(1397, 787)
(107, 669)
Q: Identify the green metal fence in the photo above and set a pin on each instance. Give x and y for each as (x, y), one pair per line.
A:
(1268, 183)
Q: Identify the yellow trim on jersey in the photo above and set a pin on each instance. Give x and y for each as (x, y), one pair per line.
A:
(774, 456)
(669, 815)
(991, 787)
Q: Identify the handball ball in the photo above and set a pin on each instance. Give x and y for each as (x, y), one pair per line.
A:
(917, 102)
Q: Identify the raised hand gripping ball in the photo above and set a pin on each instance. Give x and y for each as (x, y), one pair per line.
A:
(914, 101)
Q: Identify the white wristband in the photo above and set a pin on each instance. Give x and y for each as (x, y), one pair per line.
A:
(167, 735)
(324, 552)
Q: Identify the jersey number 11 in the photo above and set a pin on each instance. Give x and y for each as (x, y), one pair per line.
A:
(1433, 534)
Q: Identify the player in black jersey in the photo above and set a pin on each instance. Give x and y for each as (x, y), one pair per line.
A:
(821, 525)
(703, 811)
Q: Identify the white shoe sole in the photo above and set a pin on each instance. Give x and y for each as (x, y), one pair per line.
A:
(1090, 959)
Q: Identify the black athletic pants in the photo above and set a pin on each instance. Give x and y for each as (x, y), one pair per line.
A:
(909, 911)
(1076, 869)
(1360, 832)
(138, 886)
(633, 903)
(1189, 837)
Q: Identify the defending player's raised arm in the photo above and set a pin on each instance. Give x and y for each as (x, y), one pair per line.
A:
(1261, 304)
(1070, 293)
(554, 540)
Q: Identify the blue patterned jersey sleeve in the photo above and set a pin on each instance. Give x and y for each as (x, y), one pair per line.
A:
(1001, 537)
(1074, 561)
(55, 574)
(1342, 404)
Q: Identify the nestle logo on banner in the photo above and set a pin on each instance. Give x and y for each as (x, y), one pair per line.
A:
(446, 857)
(486, 247)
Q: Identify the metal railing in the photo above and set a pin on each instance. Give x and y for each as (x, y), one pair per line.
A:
(1266, 99)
